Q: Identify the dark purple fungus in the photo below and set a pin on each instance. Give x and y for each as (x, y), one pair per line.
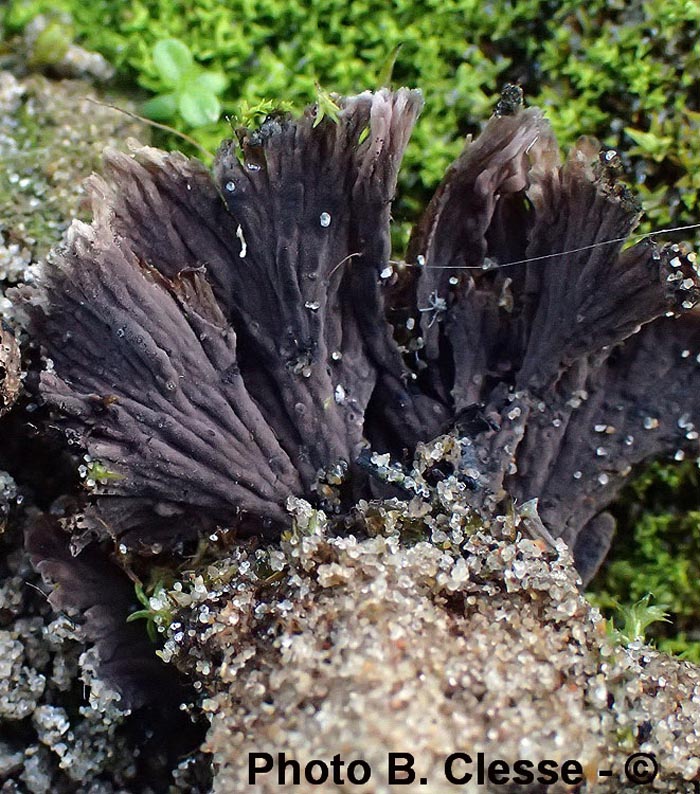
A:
(290, 235)
(220, 342)
(639, 404)
(547, 346)
(95, 587)
(145, 376)
(327, 193)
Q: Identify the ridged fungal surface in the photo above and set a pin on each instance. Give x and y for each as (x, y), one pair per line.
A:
(217, 342)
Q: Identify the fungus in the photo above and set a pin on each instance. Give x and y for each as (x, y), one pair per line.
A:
(571, 350)
(220, 341)
(92, 585)
(205, 380)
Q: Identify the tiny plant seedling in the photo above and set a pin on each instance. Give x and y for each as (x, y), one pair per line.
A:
(635, 619)
(189, 91)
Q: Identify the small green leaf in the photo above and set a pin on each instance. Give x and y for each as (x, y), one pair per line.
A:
(137, 17)
(160, 108)
(198, 107)
(151, 631)
(325, 106)
(211, 82)
(173, 60)
(387, 68)
(20, 14)
(141, 595)
(657, 146)
(142, 614)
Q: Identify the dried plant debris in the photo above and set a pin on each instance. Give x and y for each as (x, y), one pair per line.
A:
(10, 385)
(330, 644)
(10, 369)
(218, 342)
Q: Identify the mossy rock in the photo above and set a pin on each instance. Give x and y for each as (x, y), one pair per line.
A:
(51, 138)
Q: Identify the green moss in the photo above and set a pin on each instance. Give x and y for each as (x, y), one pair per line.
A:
(626, 72)
(101, 474)
(631, 622)
(51, 45)
(157, 609)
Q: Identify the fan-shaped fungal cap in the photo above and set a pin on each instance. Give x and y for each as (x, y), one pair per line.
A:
(215, 347)
(219, 343)
(96, 587)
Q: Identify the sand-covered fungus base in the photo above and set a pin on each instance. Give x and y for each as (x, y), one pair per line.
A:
(361, 646)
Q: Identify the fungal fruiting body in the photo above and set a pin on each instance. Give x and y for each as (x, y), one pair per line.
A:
(220, 339)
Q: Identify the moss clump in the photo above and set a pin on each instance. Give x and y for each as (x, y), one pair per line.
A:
(625, 72)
